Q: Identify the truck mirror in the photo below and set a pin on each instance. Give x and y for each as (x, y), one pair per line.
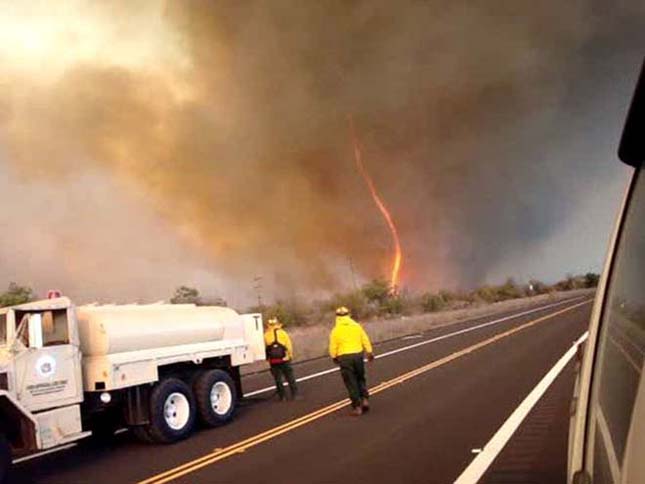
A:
(17, 346)
(35, 331)
(632, 142)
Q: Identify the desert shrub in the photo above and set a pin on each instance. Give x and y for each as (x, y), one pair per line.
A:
(538, 287)
(377, 291)
(509, 290)
(190, 295)
(464, 297)
(356, 301)
(289, 313)
(392, 307)
(401, 303)
(431, 303)
(591, 279)
(491, 294)
(213, 301)
(570, 283)
(449, 296)
(487, 294)
(185, 295)
(16, 294)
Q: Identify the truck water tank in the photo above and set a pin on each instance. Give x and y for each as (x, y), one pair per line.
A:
(115, 329)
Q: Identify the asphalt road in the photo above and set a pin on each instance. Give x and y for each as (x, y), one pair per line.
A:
(432, 405)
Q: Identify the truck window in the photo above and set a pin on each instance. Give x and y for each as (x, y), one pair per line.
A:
(621, 349)
(55, 329)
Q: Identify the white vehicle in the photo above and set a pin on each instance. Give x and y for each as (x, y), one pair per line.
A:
(607, 429)
(68, 372)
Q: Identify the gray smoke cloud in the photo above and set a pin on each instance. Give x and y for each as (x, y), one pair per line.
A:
(207, 143)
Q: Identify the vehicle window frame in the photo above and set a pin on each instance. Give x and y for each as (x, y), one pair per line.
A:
(595, 373)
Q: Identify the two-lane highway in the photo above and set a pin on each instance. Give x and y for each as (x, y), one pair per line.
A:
(437, 397)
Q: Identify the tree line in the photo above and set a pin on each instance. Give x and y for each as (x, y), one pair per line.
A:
(375, 299)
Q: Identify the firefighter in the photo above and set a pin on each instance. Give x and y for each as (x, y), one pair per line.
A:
(280, 354)
(348, 342)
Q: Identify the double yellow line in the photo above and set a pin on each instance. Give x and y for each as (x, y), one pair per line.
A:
(221, 454)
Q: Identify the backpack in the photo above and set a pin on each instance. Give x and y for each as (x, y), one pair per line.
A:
(276, 351)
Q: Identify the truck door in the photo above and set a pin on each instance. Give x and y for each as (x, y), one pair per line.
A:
(48, 372)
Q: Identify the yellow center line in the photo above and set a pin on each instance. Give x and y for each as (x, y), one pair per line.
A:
(270, 434)
(458, 354)
(234, 447)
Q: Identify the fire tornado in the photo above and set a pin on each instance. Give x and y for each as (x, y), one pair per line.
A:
(380, 204)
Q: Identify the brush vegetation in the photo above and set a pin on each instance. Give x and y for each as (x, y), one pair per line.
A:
(374, 300)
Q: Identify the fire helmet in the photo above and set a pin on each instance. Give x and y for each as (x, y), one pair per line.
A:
(342, 311)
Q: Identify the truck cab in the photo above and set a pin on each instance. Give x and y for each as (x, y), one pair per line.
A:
(607, 427)
(40, 375)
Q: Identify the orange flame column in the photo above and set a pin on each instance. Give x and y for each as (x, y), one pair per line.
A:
(380, 204)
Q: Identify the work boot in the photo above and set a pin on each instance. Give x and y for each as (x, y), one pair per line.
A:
(356, 412)
(365, 404)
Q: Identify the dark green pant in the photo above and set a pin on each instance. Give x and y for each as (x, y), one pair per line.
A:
(280, 371)
(352, 368)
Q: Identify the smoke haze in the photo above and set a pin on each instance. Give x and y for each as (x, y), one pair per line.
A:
(149, 144)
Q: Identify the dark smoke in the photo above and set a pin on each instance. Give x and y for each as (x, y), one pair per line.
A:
(477, 120)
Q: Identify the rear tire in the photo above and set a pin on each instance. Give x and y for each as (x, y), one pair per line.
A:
(172, 411)
(216, 397)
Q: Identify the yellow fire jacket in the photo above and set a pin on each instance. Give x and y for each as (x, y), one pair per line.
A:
(282, 336)
(348, 337)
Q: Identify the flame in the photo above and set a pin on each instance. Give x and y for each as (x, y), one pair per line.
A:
(378, 201)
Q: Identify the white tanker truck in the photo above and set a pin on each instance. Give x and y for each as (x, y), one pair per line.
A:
(67, 372)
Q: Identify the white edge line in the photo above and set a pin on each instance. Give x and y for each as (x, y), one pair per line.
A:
(304, 378)
(480, 464)
(335, 369)
(422, 343)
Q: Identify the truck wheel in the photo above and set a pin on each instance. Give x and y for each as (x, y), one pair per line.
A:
(5, 459)
(172, 411)
(216, 397)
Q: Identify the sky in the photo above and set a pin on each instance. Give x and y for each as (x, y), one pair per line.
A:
(150, 144)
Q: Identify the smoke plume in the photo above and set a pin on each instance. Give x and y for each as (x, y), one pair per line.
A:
(175, 139)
